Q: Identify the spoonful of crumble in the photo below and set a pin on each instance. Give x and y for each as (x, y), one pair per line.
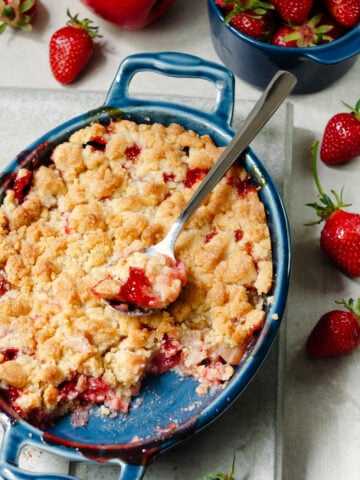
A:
(147, 280)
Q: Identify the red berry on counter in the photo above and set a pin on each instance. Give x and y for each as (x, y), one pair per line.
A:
(337, 332)
(17, 14)
(340, 236)
(341, 139)
(71, 48)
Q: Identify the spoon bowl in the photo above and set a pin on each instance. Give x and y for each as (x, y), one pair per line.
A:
(273, 96)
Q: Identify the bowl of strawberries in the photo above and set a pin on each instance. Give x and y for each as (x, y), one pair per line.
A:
(317, 40)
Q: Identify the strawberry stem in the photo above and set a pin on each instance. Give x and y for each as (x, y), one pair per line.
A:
(326, 207)
(221, 476)
(85, 24)
(351, 306)
(314, 151)
(354, 110)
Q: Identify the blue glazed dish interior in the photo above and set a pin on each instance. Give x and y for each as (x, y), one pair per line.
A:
(254, 61)
(168, 408)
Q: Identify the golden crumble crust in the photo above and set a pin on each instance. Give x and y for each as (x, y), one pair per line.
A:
(108, 189)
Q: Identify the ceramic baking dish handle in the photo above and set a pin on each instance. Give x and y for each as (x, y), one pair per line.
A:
(15, 437)
(132, 472)
(11, 472)
(175, 64)
(347, 47)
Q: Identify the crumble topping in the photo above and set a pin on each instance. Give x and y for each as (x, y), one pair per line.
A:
(110, 189)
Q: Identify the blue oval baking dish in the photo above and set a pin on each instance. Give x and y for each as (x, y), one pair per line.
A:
(254, 61)
(168, 409)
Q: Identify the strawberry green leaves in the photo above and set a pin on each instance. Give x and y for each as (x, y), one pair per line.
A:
(221, 476)
(17, 14)
(326, 206)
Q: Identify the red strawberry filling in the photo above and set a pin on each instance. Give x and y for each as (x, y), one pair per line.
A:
(194, 175)
(87, 389)
(137, 290)
(131, 153)
(20, 184)
(167, 358)
(243, 187)
(97, 143)
(168, 177)
(238, 235)
(4, 285)
(9, 353)
(210, 236)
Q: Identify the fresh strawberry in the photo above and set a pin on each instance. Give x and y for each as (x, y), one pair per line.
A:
(294, 12)
(256, 25)
(341, 139)
(340, 236)
(252, 17)
(317, 30)
(345, 12)
(337, 332)
(71, 48)
(286, 36)
(17, 14)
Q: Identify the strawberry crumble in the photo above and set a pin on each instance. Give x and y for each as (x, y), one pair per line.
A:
(106, 190)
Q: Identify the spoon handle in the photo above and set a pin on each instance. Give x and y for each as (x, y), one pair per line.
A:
(275, 93)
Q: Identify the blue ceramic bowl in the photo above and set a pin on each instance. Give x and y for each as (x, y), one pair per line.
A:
(256, 62)
(164, 400)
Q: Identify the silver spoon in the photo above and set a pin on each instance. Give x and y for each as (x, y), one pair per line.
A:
(275, 93)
